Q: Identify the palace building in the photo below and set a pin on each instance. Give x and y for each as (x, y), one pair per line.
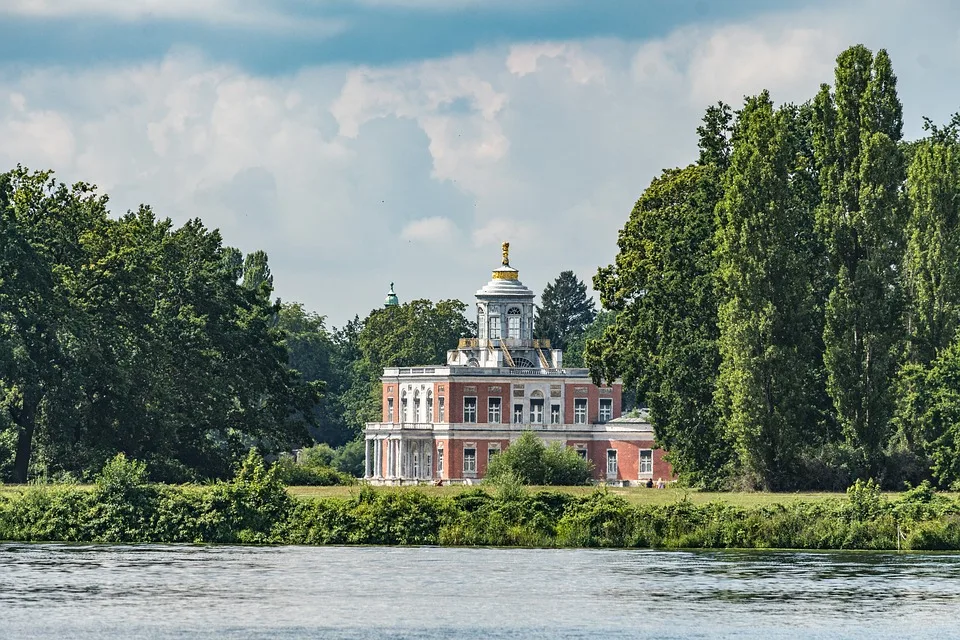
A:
(446, 421)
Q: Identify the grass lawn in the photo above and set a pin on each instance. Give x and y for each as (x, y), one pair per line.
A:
(635, 495)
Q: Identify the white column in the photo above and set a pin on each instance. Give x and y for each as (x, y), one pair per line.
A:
(403, 461)
(367, 459)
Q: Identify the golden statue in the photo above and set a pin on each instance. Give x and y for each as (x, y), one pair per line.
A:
(506, 253)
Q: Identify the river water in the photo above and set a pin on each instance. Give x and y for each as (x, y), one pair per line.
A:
(156, 591)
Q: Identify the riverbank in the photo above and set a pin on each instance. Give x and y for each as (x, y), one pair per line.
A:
(633, 495)
(257, 508)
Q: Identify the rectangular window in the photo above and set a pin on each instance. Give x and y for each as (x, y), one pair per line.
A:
(606, 409)
(469, 409)
(429, 408)
(611, 462)
(582, 453)
(646, 462)
(441, 410)
(493, 410)
(513, 327)
(416, 409)
(439, 460)
(494, 327)
(554, 414)
(469, 460)
(536, 411)
(580, 411)
(518, 413)
(492, 450)
(389, 409)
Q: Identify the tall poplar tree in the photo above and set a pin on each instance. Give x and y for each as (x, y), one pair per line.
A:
(766, 389)
(856, 131)
(925, 418)
(932, 260)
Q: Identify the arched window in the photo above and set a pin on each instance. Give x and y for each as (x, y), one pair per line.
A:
(416, 406)
(429, 406)
(403, 407)
(513, 322)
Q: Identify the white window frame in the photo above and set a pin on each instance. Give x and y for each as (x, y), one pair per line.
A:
(439, 459)
(390, 410)
(579, 416)
(605, 416)
(441, 409)
(499, 412)
(517, 413)
(536, 417)
(429, 407)
(493, 449)
(556, 414)
(474, 398)
(648, 454)
(469, 468)
(513, 322)
(496, 328)
(612, 469)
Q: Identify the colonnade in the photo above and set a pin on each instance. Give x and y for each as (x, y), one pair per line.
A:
(398, 458)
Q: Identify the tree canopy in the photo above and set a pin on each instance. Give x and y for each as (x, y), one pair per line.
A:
(565, 310)
(788, 307)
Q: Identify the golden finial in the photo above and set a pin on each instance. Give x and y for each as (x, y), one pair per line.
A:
(506, 253)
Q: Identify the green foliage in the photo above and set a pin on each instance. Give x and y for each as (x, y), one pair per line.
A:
(127, 334)
(663, 342)
(350, 458)
(306, 474)
(866, 501)
(255, 502)
(565, 310)
(529, 461)
(414, 333)
(767, 388)
(856, 130)
(573, 356)
(319, 455)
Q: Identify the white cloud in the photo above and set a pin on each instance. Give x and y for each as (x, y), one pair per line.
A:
(353, 177)
(435, 229)
(583, 67)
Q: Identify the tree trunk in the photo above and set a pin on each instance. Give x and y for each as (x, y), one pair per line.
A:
(26, 420)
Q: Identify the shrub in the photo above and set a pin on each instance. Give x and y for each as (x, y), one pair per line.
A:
(306, 474)
(530, 461)
(123, 502)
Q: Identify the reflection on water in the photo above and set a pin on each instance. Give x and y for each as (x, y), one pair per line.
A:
(371, 592)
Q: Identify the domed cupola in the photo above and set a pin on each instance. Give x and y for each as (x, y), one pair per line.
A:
(505, 314)
(391, 300)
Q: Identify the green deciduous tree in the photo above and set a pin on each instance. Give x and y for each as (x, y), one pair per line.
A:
(664, 340)
(575, 349)
(565, 310)
(856, 129)
(419, 332)
(127, 335)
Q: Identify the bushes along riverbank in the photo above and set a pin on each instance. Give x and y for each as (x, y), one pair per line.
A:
(256, 508)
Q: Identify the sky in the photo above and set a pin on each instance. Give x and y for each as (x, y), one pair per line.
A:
(364, 142)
